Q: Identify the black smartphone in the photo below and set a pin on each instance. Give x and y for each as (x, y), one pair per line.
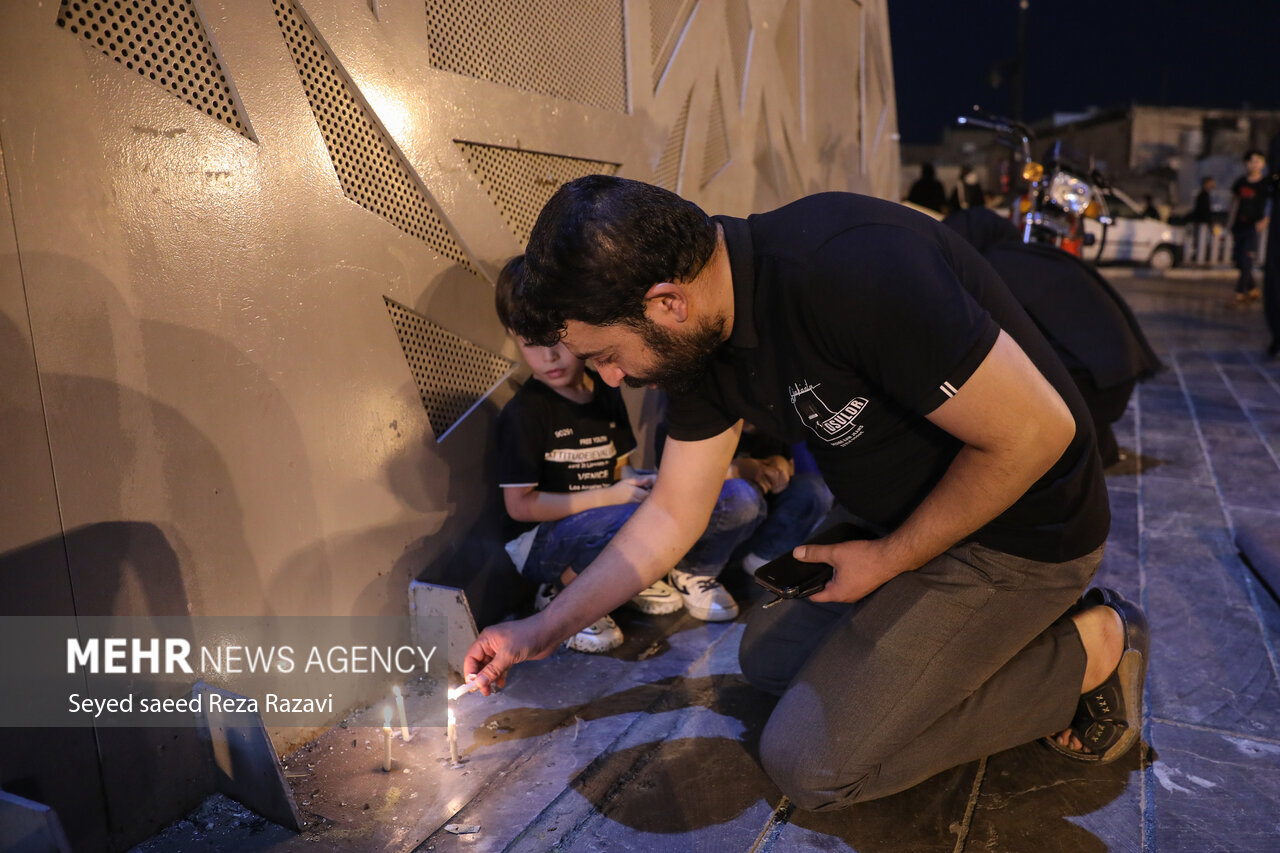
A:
(787, 577)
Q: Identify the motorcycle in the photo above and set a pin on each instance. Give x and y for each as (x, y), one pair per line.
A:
(1060, 193)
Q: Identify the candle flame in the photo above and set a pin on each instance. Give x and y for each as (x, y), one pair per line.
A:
(386, 715)
(467, 687)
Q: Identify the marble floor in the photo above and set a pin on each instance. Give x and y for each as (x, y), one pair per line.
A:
(649, 749)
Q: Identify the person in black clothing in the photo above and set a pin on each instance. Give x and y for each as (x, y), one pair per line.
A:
(1247, 221)
(1202, 210)
(1150, 211)
(1271, 273)
(968, 192)
(936, 412)
(927, 190)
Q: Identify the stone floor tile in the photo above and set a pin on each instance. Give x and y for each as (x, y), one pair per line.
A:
(1035, 799)
(1209, 663)
(929, 817)
(1212, 791)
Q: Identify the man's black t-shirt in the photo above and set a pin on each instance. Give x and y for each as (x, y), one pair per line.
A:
(557, 445)
(1251, 202)
(853, 319)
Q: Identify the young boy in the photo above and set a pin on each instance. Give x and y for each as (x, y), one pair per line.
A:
(564, 439)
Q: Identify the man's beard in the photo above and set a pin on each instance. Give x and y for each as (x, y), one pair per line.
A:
(681, 360)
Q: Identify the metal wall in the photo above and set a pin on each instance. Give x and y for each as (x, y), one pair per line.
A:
(249, 363)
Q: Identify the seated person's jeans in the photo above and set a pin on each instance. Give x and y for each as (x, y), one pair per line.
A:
(791, 516)
(575, 541)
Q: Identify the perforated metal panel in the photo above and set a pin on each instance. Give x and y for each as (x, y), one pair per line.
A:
(738, 27)
(520, 183)
(372, 171)
(670, 165)
(667, 21)
(453, 375)
(716, 155)
(574, 51)
(164, 41)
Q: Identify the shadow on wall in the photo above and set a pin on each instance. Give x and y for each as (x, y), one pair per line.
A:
(118, 452)
(110, 786)
(466, 549)
(473, 557)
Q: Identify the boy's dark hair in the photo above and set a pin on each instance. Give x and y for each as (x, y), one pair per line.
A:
(505, 288)
(1253, 151)
(598, 246)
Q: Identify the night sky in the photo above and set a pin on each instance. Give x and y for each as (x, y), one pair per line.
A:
(1108, 53)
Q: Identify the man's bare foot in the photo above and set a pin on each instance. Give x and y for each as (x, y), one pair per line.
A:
(1102, 634)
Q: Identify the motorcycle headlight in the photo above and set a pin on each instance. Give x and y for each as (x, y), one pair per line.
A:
(1070, 194)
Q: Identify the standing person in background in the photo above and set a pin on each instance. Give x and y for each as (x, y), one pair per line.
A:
(967, 192)
(1201, 217)
(1271, 273)
(927, 190)
(1247, 221)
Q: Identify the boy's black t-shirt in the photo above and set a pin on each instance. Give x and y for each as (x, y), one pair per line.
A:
(557, 445)
(1251, 202)
(853, 319)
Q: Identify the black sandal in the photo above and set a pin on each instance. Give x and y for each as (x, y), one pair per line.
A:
(1108, 719)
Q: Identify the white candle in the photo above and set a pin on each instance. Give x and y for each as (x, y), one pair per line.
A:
(404, 722)
(453, 737)
(471, 684)
(386, 736)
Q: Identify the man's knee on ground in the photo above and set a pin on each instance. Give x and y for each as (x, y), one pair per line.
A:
(798, 766)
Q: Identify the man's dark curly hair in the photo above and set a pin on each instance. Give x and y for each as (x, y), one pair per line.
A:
(596, 249)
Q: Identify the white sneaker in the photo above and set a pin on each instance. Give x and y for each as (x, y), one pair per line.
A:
(704, 597)
(545, 595)
(752, 562)
(657, 599)
(601, 635)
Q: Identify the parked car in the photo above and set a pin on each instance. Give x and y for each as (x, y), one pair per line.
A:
(1132, 238)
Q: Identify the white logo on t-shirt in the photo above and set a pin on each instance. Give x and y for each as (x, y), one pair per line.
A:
(836, 427)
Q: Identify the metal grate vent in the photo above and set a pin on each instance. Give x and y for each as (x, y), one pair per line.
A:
(520, 182)
(716, 155)
(668, 20)
(453, 375)
(372, 171)
(670, 165)
(164, 41)
(738, 26)
(575, 51)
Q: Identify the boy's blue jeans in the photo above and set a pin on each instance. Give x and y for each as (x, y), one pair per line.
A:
(791, 516)
(575, 541)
